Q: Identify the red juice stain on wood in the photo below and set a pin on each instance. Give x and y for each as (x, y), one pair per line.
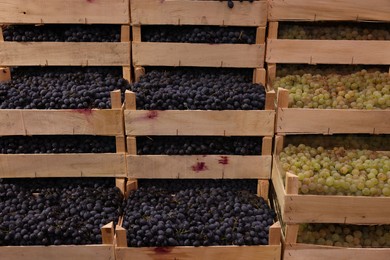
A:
(86, 112)
(152, 114)
(199, 167)
(90, 1)
(224, 160)
(162, 250)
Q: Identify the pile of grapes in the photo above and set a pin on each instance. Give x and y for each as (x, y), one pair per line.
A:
(342, 235)
(62, 33)
(196, 217)
(56, 144)
(188, 145)
(56, 211)
(199, 34)
(61, 88)
(331, 31)
(361, 90)
(198, 88)
(338, 171)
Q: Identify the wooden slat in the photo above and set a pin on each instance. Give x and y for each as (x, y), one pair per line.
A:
(197, 122)
(62, 165)
(96, 252)
(204, 55)
(263, 189)
(199, 166)
(259, 76)
(108, 233)
(328, 52)
(316, 10)
(316, 252)
(64, 54)
(198, 13)
(213, 252)
(61, 122)
(277, 183)
(266, 148)
(59, 11)
(332, 121)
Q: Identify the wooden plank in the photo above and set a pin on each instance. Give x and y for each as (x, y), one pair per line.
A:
(108, 233)
(273, 30)
(326, 209)
(316, 252)
(96, 252)
(61, 122)
(197, 122)
(120, 144)
(70, 11)
(259, 76)
(328, 52)
(263, 189)
(199, 166)
(189, 54)
(260, 35)
(266, 148)
(121, 240)
(5, 74)
(131, 145)
(65, 54)
(181, 12)
(340, 10)
(332, 121)
(136, 29)
(278, 185)
(213, 252)
(138, 72)
(291, 233)
(62, 165)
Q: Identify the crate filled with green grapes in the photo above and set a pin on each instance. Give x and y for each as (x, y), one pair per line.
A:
(339, 241)
(332, 179)
(331, 99)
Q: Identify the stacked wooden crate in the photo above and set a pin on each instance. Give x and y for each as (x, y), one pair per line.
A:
(259, 123)
(295, 208)
(33, 122)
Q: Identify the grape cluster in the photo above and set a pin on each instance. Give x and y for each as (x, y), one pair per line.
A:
(56, 211)
(56, 144)
(332, 31)
(198, 88)
(338, 171)
(196, 217)
(249, 185)
(187, 145)
(361, 90)
(60, 88)
(342, 235)
(62, 33)
(199, 34)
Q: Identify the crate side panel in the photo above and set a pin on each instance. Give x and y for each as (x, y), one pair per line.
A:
(204, 55)
(198, 166)
(70, 11)
(197, 122)
(62, 165)
(198, 13)
(340, 10)
(332, 121)
(64, 54)
(61, 122)
(328, 52)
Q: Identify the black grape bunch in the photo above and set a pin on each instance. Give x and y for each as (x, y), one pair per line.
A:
(230, 3)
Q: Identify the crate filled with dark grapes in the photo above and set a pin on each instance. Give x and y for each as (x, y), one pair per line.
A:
(66, 218)
(196, 219)
(332, 100)
(330, 10)
(65, 45)
(65, 12)
(328, 43)
(51, 115)
(332, 179)
(338, 241)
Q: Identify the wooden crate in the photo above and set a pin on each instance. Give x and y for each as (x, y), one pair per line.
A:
(325, 51)
(63, 12)
(198, 12)
(296, 208)
(328, 121)
(67, 53)
(271, 251)
(328, 10)
(23, 122)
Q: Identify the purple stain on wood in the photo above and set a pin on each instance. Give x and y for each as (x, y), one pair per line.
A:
(162, 250)
(199, 167)
(224, 160)
(86, 112)
(152, 114)
(90, 1)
